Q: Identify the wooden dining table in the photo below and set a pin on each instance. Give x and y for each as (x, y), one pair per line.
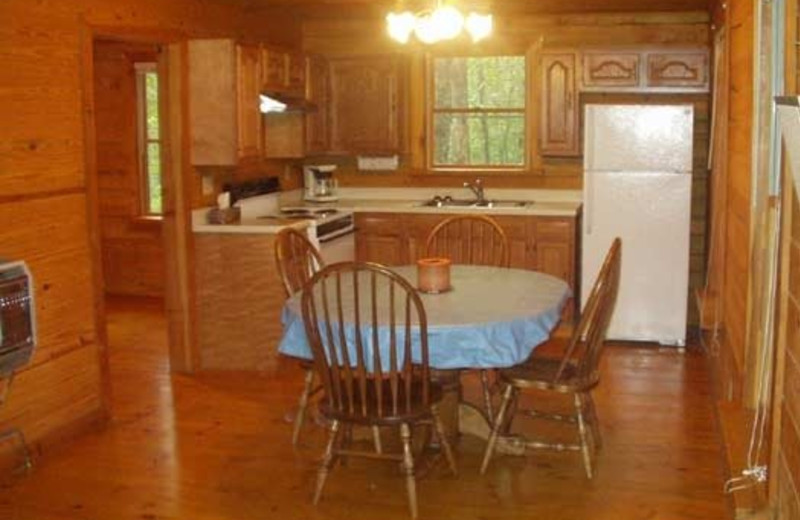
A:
(491, 317)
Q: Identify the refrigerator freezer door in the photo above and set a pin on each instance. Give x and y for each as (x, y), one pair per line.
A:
(651, 213)
(656, 138)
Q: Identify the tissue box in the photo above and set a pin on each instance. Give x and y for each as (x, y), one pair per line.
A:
(223, 216)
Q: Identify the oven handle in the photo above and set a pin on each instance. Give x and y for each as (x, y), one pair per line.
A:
(336, 235)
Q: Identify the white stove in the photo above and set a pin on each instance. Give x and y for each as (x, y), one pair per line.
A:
(331, 230)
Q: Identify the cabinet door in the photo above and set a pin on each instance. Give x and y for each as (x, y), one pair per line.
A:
(555, 248)
(274, 69)
(317, 93)
(688, 69)
(418, 227)
(248, 87)
(296, 73)
(610, 70)
(521, 241)
(380, 238)
(364, 105)
(559, 106)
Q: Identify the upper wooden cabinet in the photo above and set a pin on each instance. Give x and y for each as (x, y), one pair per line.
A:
(283, 71)
(274, 69)
(679, 69)
(224, 117)
(645, 70)
(567, 73)
(601, 70)
(559, 105)
(365, 115)
(248, 88)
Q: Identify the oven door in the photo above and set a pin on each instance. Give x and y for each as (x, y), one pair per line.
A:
(339, 248)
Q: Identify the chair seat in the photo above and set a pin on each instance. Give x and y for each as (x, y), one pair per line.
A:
(540, 372)
(418, 410)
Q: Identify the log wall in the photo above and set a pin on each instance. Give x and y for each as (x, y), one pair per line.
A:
(45, 189)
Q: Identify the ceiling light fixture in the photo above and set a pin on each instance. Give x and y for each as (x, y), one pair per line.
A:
(442, 22)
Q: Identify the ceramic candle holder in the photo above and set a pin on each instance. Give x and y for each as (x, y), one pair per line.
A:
(433, 275)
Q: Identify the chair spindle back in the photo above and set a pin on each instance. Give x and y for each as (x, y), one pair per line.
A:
(586, 343)
(469, 239)
(361, 320)
(297, 259)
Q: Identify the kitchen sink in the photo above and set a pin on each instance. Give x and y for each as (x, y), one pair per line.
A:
(449, 202)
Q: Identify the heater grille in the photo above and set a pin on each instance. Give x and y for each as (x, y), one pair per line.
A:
(17, 327)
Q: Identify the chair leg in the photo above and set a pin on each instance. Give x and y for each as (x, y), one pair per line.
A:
(594, 422)
(584, 435)
(448, 451)
(302, 406)
(487, 394)
(376, 439)
(511, 412)
(408, 468)
(498, 423)
(327, 461)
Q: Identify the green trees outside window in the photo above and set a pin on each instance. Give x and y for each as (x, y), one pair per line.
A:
(478, 114)
(149, 138)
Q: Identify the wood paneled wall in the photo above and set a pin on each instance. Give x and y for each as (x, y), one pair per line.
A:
(737, 219)
(132, 248)
(44, 195)
(785, 470)
(786, 459)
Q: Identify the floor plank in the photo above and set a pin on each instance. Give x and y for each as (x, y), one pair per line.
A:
(217, 446)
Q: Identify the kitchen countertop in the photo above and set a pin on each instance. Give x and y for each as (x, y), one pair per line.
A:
(249, 225)
(559, 203)
(546, 208)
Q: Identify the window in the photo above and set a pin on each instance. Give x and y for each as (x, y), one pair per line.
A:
(149, 133)
(478, 112)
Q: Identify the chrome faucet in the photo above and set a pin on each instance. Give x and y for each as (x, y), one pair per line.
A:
(477, 188)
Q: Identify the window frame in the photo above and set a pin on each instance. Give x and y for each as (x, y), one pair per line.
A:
(430, 111)
(141, 69)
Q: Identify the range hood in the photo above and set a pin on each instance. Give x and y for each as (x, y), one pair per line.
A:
(282, 103)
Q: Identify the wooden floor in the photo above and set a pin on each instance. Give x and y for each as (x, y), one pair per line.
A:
(217, 447)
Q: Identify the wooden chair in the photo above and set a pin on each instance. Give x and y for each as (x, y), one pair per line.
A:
(370, 379)
(297, 260)
(471, 240)
(575, 373)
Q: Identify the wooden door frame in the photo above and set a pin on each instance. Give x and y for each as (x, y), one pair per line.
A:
(176, 224)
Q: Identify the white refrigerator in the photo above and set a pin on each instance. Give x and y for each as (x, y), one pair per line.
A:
(637, 185)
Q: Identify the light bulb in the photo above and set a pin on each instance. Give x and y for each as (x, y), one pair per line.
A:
(400, 25)
(478, 26)
(425, 29)
(448, 22)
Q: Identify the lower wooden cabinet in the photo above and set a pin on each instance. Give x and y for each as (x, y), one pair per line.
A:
(379, 239)
(540, 243)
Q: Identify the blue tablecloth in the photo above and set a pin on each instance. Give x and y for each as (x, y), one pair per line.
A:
(494, 317)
